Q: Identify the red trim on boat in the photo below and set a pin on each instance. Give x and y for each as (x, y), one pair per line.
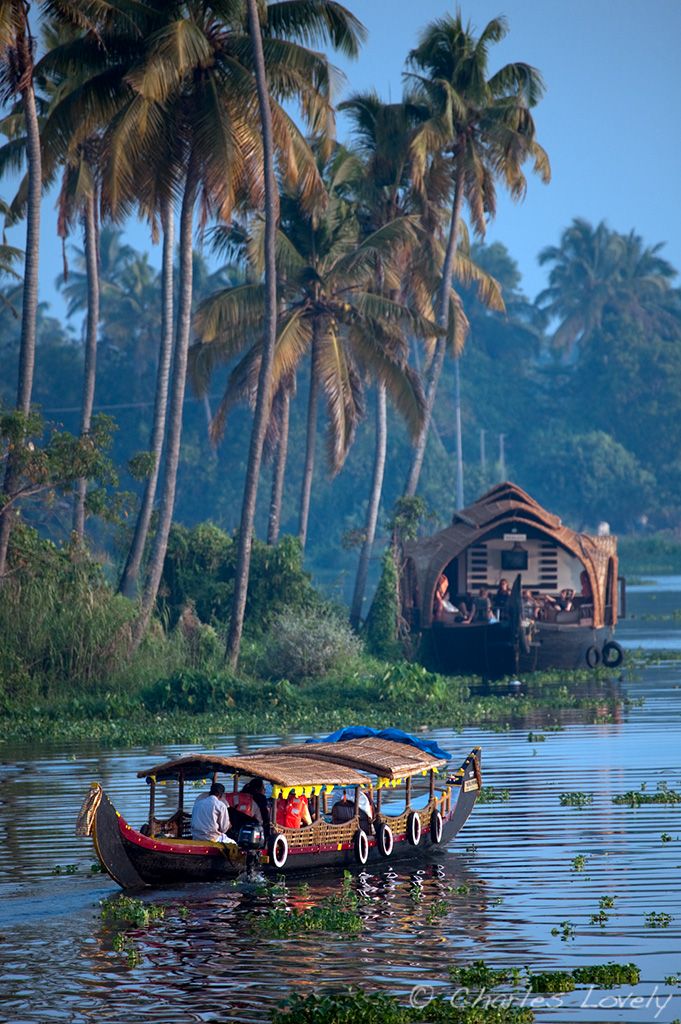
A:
(166, 845)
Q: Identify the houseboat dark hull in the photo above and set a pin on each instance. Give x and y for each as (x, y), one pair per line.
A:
(135, 860)
(495, 650)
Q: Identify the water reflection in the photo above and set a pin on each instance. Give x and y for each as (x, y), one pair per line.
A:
(507, 881)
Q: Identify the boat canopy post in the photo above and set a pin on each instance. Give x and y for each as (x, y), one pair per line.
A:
(379, 795)
(180, 793)
(236, 782)
(151, 783)
(408, 793)
(358, 790)
(325, 801)
(431, 794)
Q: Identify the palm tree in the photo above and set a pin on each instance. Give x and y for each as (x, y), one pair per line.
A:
(16, 79)
(483, 126)
(327, 310)
(596, 271)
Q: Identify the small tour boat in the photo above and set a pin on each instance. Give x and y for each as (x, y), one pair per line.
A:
(357, 761)
(560, 612)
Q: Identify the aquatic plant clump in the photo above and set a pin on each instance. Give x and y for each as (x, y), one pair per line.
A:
(356, 1007)
(488, 795)
(638, 797)
(607, 975)
(130, 910)
(576, 799)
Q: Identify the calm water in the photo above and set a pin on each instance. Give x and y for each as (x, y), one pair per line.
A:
(506, 883)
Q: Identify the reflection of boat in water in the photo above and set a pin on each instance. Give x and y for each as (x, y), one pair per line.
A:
(358, 760)
(506, 534)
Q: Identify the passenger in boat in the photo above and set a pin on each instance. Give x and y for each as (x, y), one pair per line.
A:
(483, 608)
(442, 600)
(343, 810)
(530, 606)
(292, 812)
(565, 599)
(501, 597)
(210, 816)
(250, 805)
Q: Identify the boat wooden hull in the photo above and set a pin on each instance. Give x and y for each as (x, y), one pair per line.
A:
(493, 651)
(135, 860)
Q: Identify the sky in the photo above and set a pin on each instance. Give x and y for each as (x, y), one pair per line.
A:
(609, 119)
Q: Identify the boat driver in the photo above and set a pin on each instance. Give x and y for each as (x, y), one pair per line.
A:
(210, 816)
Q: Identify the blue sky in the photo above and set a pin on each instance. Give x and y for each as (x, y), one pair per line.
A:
(609, 119)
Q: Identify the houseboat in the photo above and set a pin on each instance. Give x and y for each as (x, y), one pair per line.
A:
(392, 774)
(507, 588)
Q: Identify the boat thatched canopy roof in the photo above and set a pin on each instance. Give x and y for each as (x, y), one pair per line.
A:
(503, 507)
(275, 766)
(376, 756)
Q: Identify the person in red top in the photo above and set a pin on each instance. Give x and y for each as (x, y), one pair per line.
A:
(292, 812)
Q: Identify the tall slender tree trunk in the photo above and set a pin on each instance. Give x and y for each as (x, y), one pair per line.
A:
(374, 503)
(179, 380)
(29, 311)
(128, 583)
(90, 369)
(264, 396)
(310, 441)
(441, 345)
(279, 473)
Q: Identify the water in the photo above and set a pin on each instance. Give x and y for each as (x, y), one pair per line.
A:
(505, 884)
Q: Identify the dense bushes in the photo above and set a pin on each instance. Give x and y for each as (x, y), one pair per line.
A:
(305, 643)
(59, 620)
(381, 623)
(658, 553)
(200, 565)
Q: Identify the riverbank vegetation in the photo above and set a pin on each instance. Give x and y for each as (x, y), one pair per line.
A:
(118, 601)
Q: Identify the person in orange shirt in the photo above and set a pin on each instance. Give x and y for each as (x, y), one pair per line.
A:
(292, 812)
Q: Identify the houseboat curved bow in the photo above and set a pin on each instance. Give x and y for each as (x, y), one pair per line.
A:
(357, 769)
(560, 612)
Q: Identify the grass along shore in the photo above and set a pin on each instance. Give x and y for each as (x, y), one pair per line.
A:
(193, 707)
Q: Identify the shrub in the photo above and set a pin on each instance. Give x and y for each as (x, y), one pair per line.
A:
(381, 622)
(305, 643)
(192, 691)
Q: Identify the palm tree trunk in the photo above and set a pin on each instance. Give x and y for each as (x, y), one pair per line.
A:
(128, 583)
(90, 369)
(274, 522)
(264, 396)
(441, 345)
(311, 440)
(179, 380)
(374, 503)
(29, 311)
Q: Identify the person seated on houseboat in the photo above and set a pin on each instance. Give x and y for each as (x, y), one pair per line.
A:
(210, 816)
(482, 611)
(293, 812)
(501, 598)
(530, 606)
(565, 599)
(343, 810)
(248, 806)
(442, 601)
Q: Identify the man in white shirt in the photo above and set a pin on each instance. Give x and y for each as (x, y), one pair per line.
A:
(210, 816)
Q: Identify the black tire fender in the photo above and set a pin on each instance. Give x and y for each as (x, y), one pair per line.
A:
(384, 839)
(278, 850)
(612, 654)
(436, 827)
(360, 845)
(414, 829)
(592, 656)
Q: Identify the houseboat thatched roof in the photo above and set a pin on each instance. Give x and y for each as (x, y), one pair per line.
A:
(505, 506)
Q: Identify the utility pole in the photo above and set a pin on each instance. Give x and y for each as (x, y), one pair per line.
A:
(502, 457)
(483, 454)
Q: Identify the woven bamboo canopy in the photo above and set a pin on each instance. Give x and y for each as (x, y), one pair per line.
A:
(276, 767)
(503, 507)
(385, 758)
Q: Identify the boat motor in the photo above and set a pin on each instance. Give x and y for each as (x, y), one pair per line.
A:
(251, 837)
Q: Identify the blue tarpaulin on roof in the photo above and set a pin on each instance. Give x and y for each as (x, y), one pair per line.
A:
(356, 732)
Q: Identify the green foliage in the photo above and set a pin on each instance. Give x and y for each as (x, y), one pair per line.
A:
(489, 795)
(130, 910)
(480, 975)
(59, 619)
(579, 862)
(607, 975)
(657, 553)
(551, 981)
(565, 929)
(307, 643)
(380, 627)
(658, 919)
(192, 691)
(638, 797)
(408, 512)
(200, 565)
(576, 799)
(357, 1007)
